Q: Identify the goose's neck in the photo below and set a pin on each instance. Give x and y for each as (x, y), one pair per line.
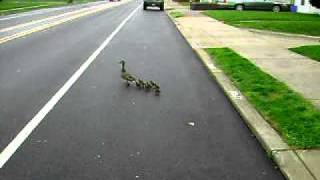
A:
(123, 69)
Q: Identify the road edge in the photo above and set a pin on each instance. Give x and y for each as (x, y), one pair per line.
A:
(290, 164)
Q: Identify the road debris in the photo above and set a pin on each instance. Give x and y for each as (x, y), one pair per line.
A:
(235, 94)
(191, 123)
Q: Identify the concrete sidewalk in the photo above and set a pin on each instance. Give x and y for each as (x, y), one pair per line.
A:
(271, 54)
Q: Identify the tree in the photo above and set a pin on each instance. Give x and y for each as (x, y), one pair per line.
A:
(315, 3)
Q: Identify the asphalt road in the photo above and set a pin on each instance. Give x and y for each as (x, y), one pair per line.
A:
(102, 129)
(16, 19)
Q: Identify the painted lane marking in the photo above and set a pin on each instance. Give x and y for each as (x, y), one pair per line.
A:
(46, 19)
(36, 12)
(54, 23)
(36, 120)
(43, 11)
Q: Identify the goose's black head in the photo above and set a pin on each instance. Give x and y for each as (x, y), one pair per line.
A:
(122, 62)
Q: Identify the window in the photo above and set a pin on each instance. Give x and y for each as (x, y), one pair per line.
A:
(302, 2)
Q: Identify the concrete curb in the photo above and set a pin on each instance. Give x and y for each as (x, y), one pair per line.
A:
(290, 164)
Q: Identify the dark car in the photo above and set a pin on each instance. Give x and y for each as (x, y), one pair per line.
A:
(153, 3)
(273, 5)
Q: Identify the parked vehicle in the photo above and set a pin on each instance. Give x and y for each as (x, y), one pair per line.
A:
(274, 5)
(153, 3)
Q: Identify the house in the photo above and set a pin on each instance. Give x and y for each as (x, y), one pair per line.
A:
(304, 6)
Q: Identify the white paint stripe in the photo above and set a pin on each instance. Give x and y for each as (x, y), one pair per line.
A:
(43, 11)
(50, 18)
(33, 13)
(36, 120)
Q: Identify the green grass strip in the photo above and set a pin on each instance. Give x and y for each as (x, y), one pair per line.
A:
(296, 23)
(295, 118)
(8, 5)
(176, 14)
(231, 15)
(312, 51)
(11, 6)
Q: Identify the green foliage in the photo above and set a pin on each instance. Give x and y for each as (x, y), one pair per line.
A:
(176, 14)
(295, 118)
(308, 24)
(312, 51)
(10, 6)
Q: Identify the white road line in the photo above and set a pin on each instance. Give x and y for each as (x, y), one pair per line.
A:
(43, 11)
(32, 13)
(36, 120)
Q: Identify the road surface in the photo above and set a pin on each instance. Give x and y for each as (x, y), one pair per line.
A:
(101, 129)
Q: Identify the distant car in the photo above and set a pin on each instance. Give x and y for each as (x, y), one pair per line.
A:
(153, 3)
(275, 6)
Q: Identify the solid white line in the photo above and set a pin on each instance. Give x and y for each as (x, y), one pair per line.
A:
(36, 120)
(43, 11)
(32, 13)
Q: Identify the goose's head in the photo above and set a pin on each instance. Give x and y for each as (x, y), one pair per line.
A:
(122, 62)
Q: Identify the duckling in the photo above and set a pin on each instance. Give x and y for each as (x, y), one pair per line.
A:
(143, 84)
(139, 83)
(156, 88)
(154, 85)
(157, 92)
(147, 86)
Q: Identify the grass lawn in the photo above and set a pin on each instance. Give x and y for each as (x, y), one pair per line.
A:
(295, 118)
(312, 51)
(10, 6)
(308, 24)
(176, 14)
